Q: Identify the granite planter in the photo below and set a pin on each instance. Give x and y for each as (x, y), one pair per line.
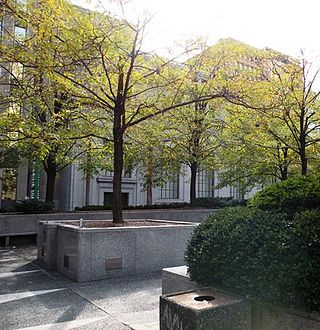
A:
(85, 254)
(204, 309)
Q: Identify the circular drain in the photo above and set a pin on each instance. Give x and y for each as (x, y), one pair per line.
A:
(204, 298)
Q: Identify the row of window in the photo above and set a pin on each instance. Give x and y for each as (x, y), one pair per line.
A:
(205, 187)
(127, 173)
(170, 190)
(20, 32)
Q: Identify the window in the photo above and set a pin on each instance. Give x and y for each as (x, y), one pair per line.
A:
(125, 174)
(108, 199)
(170, 190)
(1, 27)
(17, 70)
(19, 33)
(108, 173)
(205, 184)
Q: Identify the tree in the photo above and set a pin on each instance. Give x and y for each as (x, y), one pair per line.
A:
(295, 87)
(214, 128)
(42, 117)
(128, 85)
(275, 120)
(248, 153)
(193, 137)
(150, 153)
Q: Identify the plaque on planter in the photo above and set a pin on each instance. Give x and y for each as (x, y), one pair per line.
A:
(66, 261)
(113, 263)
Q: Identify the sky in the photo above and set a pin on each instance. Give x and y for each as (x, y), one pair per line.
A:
(286, 26)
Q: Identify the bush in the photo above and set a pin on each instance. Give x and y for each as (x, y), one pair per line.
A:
(34, 206)
(218, 202)
(293, 195)
(268, 257)
(6, 210)
(93, 208)
(214, 202)
(140, 207)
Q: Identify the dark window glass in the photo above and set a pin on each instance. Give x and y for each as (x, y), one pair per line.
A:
(170, 190)
(205, 184)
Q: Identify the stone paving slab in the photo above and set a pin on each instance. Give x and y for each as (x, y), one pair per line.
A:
(31, 298)
(133, 300)
(149, 326)
(91, 323)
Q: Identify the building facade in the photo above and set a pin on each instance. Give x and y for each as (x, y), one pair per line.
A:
(75, 189)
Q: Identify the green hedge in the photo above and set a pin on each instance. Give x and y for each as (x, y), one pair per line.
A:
(295, 194)
(268, 257)
(34, 206)
(212, 202)
(218, 202)
(140, 207)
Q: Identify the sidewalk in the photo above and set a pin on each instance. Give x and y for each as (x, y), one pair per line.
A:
(31, 298)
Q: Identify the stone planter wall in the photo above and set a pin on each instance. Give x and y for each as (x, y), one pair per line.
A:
(47, 245)
(27, 224)
(85, 254)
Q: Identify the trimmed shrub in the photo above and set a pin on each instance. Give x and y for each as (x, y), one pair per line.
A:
(93, 208)
(293, 195)
(6, 210)
(215, 202)
(140, 207)
(218, 202)
(34, 206)
(268, 257)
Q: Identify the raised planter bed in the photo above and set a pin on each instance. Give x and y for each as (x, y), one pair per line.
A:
(85, 254)
(12, 224)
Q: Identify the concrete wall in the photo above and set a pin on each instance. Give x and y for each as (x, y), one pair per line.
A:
(47, 245)
(176, 279)
(85, 254)
(25, 224)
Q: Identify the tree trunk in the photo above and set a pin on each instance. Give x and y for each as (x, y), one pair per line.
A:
(302, 138)
(193, 183)
(118, 132)
(149, 194)
(149, 175)
(50, 167)
(303, 158)
(284, 173)
(88, 184)
(304, 164)
(117, 175)
(149, 184)
(51, 178)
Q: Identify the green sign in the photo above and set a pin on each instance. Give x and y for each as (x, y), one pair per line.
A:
(35, 189)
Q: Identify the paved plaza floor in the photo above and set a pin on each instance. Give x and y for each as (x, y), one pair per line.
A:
(31, 298)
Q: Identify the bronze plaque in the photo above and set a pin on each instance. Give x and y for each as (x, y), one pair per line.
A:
(66, 261)
(113, 263)
(43, 251)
